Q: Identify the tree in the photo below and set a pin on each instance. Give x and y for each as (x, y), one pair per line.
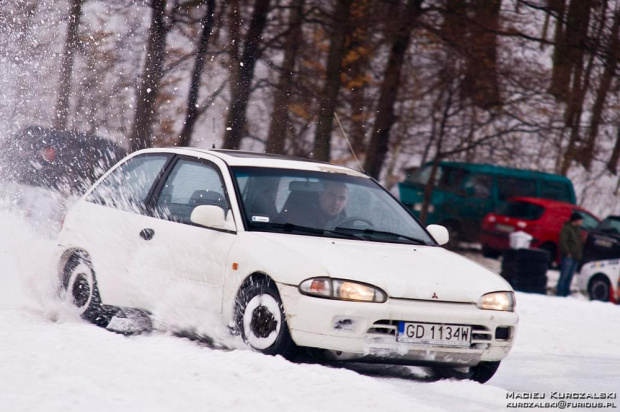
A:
(341, 28)
(66, 67)
(280, 118)
(152, 73)
(241, 86)
(378, 146)
(192, 99)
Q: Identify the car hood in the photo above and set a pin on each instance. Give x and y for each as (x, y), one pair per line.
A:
(403, 271)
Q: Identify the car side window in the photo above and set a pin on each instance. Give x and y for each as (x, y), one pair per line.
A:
(589, 222)
(127, 187)
(190, 184)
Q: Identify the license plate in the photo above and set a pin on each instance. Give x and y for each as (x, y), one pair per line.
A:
(504, 228)
(434, 334)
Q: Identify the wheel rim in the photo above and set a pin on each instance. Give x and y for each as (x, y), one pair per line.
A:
(80, 287)
(599, 290)
(262, 321)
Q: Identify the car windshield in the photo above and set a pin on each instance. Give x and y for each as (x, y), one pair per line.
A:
(610, 225)
(324, 204)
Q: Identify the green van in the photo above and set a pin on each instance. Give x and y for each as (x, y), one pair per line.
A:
(465, 192)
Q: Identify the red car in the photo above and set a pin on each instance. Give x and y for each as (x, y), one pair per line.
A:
(541, 218)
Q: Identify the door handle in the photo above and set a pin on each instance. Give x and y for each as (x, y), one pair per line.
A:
(147, 234)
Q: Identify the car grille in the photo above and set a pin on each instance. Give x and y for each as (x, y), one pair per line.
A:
(480, 334)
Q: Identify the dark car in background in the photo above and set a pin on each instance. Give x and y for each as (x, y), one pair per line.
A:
(603, 242)
(43, 171)
(63, 160)
(540, 218)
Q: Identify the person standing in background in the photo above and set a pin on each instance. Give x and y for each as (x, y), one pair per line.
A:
(571, 246)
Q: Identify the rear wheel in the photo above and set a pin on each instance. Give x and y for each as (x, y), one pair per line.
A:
(261, 320)
(80, 288)
(599, 288)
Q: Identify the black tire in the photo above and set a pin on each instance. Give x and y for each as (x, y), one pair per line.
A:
(261, 320)
(481, 373)
(80, 286)
(553, 253)
(490, 253)
(599, 288)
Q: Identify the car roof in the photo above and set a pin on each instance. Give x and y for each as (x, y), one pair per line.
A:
(548, 203)
(258, 159)
(503, 170)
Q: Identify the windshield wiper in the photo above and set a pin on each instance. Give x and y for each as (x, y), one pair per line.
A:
(367, 233)
(290, 227)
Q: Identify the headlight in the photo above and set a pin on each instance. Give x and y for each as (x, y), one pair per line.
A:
(498, 301)
(342, 289)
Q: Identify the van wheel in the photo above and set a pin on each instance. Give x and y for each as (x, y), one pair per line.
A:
(455, 235)
(599, 288)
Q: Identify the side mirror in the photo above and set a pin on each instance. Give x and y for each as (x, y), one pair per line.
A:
(208, 216)
(439, 233)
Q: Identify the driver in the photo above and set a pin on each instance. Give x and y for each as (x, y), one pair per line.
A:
(332, 201)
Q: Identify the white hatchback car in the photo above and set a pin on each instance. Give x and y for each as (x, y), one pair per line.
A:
(291, 253)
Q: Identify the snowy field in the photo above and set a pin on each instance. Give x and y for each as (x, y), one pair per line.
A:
(53, 361)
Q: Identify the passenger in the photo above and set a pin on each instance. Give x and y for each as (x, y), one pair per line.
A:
(322, 211)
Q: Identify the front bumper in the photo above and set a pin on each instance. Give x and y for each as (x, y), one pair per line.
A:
(366, 332)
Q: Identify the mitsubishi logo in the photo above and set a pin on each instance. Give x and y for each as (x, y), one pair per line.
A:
(435, 296)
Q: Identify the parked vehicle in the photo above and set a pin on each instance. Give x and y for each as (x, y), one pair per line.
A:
(540, 218)
(603, 242)
(369, 284)
(601, 280)
(464, 193)
(65, 161)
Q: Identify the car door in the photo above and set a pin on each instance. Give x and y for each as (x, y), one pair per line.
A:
(102, 223)
(181, 264)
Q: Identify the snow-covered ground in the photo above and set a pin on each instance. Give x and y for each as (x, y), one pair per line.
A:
(51, 360)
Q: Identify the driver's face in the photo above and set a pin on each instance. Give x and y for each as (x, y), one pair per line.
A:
(333, 199)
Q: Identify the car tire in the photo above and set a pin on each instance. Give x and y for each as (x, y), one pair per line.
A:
(599, 288)
(261, 319)
(490, 253)
(481, 373)
(80, 286)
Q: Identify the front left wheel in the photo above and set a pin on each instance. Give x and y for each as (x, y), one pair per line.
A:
(599, 288)
(261, 321)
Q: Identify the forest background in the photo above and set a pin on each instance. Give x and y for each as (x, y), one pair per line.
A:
(523, 83)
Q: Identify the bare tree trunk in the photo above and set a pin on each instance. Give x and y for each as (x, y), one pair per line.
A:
(151, 78)
(279, 120)
(66, 68)
(329, 95)
(612, 165)
(378, 146)
(611, 60)
(481, 82)
(236, 121)
(561, 69)
(192, 110)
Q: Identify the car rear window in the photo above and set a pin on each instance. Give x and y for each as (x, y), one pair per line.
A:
(521, 210)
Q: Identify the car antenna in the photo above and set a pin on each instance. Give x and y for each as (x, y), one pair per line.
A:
(349, 143)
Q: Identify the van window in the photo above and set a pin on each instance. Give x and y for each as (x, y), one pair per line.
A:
(508, 187)
(478, 185)
(452, 178)
(423, 174)
(555, 190)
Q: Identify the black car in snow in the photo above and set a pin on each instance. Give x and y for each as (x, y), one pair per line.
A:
(603, 242)
(63, 160)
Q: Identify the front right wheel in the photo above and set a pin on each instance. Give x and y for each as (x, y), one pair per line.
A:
(599, 289)
(261, 321)
(482, 372)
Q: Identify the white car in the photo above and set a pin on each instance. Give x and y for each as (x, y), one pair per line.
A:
(291, 253)
(600, 280)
